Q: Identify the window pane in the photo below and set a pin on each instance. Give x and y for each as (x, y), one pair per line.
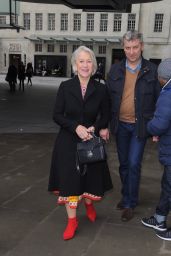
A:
(77, 22)
(2, 20)
(14, 19)
(38, 47)
(90, 22)
(131, 21)
(64, 21)
(51, 21)
(103, 22)
(26, 21)
(102, 49)
(75, 46)
(158, 24)
(63, 48)
(50, 48)
(39, 21)
(117, 22)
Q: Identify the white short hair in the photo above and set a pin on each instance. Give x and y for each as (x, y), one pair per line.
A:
(76, 54)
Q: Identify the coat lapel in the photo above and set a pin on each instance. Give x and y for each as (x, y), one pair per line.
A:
(90, 89)
(75, 89)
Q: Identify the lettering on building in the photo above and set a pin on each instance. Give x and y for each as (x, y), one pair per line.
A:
(15, 48)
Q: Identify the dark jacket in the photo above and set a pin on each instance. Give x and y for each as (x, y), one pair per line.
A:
(147, 90)
(21, 72)
(70, 111)
(12, 73)
(160, 125)
(29, 71)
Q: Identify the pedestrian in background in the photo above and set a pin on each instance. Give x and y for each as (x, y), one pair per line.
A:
(134, 89)
(160, 126)
(21, 75)
(82, 107)
(99, 75)
(29, 73)
(11, 77)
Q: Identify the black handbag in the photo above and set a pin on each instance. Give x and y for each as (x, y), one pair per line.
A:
(90, 151)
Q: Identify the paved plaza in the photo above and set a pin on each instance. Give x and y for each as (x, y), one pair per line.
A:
(31, 224)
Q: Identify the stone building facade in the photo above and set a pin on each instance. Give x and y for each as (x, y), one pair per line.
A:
(52, 32)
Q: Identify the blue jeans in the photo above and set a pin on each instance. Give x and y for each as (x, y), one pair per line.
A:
(164, 205)
(130, 152)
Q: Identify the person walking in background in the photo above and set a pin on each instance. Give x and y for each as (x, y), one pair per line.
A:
(29, 73)
(160, 126)
(21, 75)
(99, 75)
(82, 107)
(11, 77)
(134, 89)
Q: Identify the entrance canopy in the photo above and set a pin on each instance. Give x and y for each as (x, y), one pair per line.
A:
(81, 39)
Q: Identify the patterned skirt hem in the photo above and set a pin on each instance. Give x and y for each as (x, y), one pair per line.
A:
(73, 201)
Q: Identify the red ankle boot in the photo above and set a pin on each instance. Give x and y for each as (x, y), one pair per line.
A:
(70, 229)
(91, 213)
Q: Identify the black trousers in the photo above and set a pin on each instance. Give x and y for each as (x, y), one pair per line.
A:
(164, 205)
(12, 85)
(21, 84)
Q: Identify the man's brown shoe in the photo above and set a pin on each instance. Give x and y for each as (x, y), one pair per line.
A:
(119, 205)
(127, 214)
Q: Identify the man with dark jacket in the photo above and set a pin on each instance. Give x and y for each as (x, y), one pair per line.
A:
(21, 75)
(160, 126)
(11, 77)
(134, 89)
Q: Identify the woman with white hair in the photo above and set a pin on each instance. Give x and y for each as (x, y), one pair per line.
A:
(82, 107)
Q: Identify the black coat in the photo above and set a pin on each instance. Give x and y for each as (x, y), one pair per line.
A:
(147, 90)
(70, 111)
(21, 72)
(12, 73)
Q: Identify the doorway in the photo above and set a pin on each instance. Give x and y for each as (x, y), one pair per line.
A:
(15, 59)
(117, 55)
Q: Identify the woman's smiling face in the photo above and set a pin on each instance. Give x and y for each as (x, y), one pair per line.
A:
(84, 65)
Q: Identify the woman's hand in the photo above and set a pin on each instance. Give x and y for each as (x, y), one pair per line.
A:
(91, 129)
(82, 132)
(104, 134)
